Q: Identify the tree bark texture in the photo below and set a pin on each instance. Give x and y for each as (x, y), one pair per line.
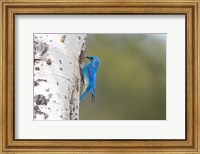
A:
(58, 59)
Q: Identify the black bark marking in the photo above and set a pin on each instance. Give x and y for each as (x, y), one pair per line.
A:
(70, 63)
(49, 62)
(37, 68)
(60, 68)
(60, 61)
(41, 47)
(47, 90)
(36, 60)
(72, 105)
(37, 110)
(39, 80)
(40, 50)
(57, 83)
(72, 97)
(40, 100)
(45, 115)
(45, 48)
(65, 97)
(50, 40)
(77, 83)
(36, 83)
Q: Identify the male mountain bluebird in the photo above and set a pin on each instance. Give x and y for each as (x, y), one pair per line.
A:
(89, 72)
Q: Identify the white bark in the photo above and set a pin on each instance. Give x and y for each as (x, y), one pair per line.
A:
(57, 62)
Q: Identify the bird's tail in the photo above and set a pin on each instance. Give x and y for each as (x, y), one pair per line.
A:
(93, 99)
(84, 93)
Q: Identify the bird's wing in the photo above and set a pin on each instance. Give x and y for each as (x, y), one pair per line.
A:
(92, 77)
(85, 91)
(84, 74)
(86, 82)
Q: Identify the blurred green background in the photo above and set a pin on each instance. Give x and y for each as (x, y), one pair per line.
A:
(131, 81)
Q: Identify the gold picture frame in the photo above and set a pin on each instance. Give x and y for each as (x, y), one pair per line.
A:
(190, 8)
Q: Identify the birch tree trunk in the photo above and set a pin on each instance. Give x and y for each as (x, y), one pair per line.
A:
(58, 59)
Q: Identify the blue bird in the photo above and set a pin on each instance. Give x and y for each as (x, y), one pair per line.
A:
(88, 73)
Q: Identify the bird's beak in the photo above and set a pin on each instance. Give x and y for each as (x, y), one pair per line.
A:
(87, 57)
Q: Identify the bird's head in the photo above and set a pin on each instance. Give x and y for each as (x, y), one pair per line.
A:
(94, 60)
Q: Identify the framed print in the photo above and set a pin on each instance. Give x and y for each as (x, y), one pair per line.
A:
(99, 76)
